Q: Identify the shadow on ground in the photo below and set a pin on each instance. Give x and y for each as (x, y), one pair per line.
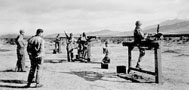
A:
(88, 75)
(54, 60)
(112, 77)
(8, 70)
(4, 50)
(13, 82)
(11, 86)
(136, 78)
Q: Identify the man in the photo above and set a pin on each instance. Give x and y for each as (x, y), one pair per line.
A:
(106, 58)
(84, 44)
(20, 66)
(138, 38)
(57, 42)
(70, 46)
(36, 54)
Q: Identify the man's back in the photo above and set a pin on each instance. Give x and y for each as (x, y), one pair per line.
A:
(20, 41)
(35, 45)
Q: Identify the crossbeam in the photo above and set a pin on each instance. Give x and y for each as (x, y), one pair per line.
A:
(143, 71)
(157, 54)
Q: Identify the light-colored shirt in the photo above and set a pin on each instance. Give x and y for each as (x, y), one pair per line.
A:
(20, 41)
(36, 46)
(71, 43)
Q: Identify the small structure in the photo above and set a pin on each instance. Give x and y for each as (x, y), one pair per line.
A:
(84, 54)
(157, 52)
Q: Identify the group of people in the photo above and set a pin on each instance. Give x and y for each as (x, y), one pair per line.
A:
(36, 51)
(81, 44)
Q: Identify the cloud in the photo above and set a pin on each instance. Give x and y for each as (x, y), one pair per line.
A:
(86, 15)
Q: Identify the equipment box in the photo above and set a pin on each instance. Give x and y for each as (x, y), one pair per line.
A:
(104, 65)
(121, 69)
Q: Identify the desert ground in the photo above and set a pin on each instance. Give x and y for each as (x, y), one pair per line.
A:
(58, 74)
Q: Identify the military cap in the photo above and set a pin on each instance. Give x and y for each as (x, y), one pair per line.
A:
(138, 23)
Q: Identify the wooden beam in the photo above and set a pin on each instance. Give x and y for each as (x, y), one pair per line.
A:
(144, 71)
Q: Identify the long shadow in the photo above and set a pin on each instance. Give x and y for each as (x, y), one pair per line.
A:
(54, 60)
(87, 75)
(92, 62)
(130, 79)
(11, 86)
(136, 78)
(183, 55)
(8, 70)
(13, 82)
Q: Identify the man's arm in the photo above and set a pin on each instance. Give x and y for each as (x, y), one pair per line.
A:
(66, 35)
(41, 52)
(141, 34)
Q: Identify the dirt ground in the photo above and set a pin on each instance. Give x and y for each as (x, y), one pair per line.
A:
(58, 74)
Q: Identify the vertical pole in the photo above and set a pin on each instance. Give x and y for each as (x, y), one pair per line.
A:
(129, 58)
(158, 67)
(89, 51)
(59, 46)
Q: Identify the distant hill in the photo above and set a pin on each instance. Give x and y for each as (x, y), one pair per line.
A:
(101, 33)
(175, 26)
(9, 36)
(54, 35)
(12, 36)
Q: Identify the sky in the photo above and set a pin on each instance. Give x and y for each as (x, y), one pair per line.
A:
(77, 16)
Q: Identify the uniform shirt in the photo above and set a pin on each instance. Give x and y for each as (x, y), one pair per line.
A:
(138, 35)
(36, 46)
(71, 43)
(20, 41)
(57, 39)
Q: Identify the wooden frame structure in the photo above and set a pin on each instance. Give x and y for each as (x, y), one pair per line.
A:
(155, 45)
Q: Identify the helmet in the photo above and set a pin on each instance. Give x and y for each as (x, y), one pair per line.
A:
(138, 23)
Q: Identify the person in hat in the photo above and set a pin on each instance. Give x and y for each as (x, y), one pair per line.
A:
(139, 36)
(71, 45)
(20, 65)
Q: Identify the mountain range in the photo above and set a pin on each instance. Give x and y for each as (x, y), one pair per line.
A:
(175, 26)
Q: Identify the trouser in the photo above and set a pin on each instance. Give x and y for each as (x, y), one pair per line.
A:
(35, 69)
(142, 53)
(20, 65)
(70, 55)
(56, 46)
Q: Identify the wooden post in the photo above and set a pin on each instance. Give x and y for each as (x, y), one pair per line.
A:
(89, 51)
(68, 54)
(59, 46)
(158, 69)
(129, 58)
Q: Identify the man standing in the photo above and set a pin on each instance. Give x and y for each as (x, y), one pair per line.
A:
(70, 46)
(57, 43)
(106, 58)
(138, 38)
(20, 65)
(36, 54)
